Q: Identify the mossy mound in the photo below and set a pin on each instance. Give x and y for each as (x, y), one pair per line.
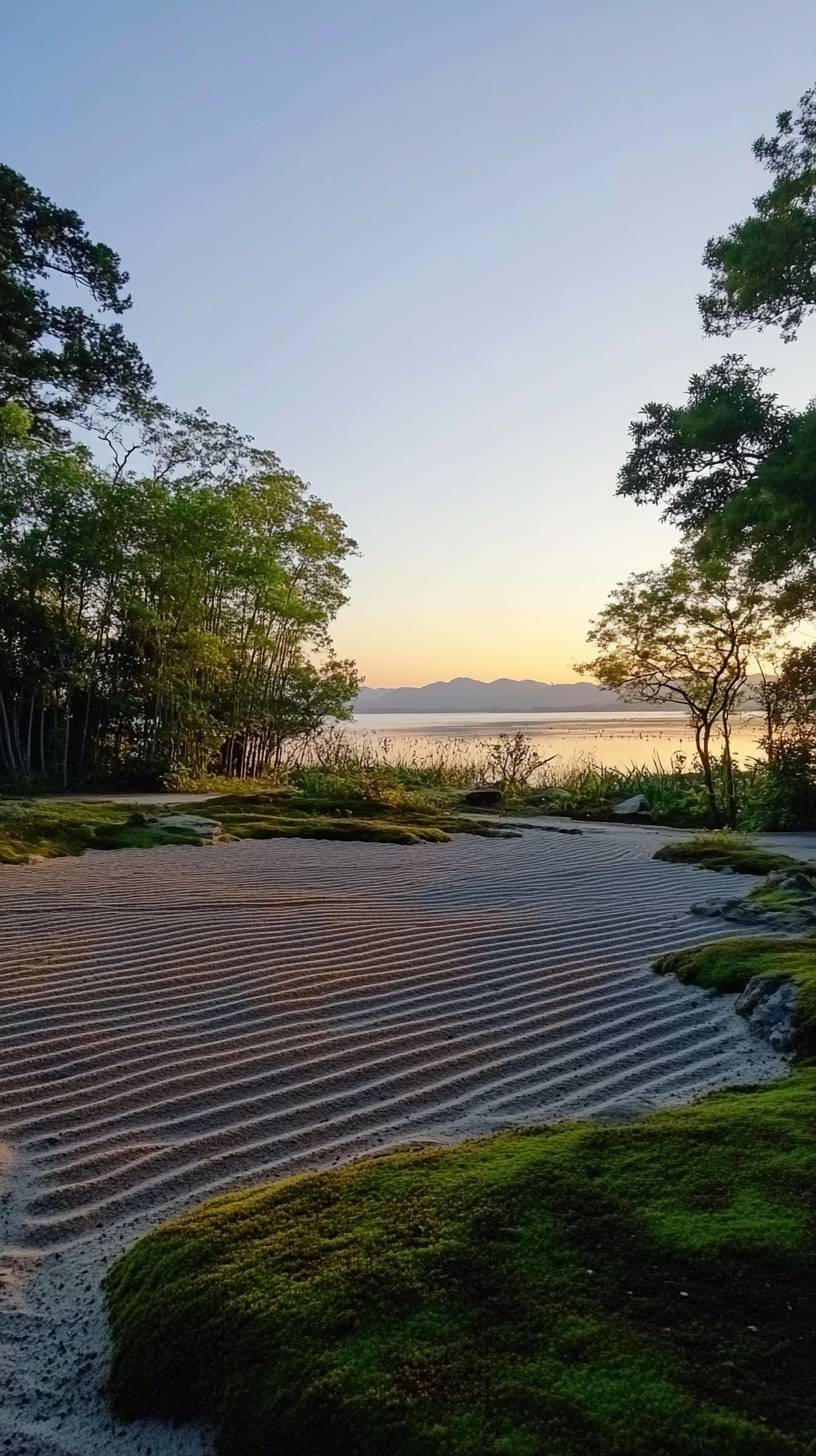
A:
(724, 851)
(48, 830)
(728, 965)
(582, 1291)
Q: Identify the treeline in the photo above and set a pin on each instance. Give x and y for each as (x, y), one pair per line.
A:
(735, 470)
(166, 587)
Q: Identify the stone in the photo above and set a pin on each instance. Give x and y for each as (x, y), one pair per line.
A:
(751, 913)
(209, 830)
(636, 805)
(770, 1004)
(804, 884)
(483, 798)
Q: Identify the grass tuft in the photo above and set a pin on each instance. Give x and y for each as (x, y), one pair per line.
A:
(722, 850)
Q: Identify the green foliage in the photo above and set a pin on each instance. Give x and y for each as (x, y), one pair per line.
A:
(693, 459)
(728, 966)
(687, 635)
(725, 851)
(166, 623)
(585, 1291)
(57, 359)
(763, 270)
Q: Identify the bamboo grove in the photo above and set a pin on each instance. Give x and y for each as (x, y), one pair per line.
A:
(164, 613)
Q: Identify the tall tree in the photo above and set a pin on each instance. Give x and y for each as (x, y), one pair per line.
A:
(58, 358)
(763, 270)
(686, 635)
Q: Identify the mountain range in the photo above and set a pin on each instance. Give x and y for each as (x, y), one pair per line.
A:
(505, 695)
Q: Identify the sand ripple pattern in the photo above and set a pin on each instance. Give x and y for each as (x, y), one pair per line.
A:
(180, 1022)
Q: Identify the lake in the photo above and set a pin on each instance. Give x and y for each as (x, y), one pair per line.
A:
(616, 739)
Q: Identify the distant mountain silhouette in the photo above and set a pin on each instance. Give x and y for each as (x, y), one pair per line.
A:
(467, 695)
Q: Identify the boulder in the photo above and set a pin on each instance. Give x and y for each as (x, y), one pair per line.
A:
(770, 1005)
(751, 913)
(208, 830)
(483, 798)
(627, 808)
(804, 884)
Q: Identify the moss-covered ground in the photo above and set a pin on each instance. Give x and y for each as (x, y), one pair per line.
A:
(48, 829)
(646, 1289)
(728, 965)
(721, 850)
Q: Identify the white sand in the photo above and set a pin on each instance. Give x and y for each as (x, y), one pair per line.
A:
(182, 1021)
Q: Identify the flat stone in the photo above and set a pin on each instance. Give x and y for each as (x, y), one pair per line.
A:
(207, 829)
(483, 798)
(636, 805)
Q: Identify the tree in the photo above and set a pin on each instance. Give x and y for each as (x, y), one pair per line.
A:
(57, 359)
(167, 622)
(686, 635)
(736, 471)
(763, 270)
(692, 459)
(309, 695)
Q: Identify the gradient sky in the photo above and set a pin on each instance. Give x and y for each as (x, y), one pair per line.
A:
(437, 254)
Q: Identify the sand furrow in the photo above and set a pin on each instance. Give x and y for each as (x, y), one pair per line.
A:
(177, 1023)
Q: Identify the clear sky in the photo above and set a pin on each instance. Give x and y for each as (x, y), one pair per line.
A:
(436, 253)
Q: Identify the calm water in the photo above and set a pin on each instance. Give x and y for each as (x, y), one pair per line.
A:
(617, 739)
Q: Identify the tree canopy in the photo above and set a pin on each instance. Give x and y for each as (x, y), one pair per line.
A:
(763, 270)
(686, 634)
(171, 620)
(58, 358)
(735, 470)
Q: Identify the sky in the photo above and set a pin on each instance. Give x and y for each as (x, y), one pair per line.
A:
(436, 253)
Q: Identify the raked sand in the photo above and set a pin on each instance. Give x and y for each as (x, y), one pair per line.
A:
(177, 1022)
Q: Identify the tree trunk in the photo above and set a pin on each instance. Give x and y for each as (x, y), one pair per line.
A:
(13, 765)
(702, 738)
(66, 741)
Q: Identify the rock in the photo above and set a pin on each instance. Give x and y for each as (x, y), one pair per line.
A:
(804, 884)
(636, 805)
(751, 913)
(770, 1005)
(209, 830)
(483, 798)
(757, 987)
(33, 859)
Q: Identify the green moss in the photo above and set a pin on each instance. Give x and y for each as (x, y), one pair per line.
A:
(315, 827)
(728, 965)
(59, 828)
(583, 1291)
(725, 851)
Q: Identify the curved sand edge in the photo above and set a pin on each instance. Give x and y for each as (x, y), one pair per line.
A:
(183, 1021)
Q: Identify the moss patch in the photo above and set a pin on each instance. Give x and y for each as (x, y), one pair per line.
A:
(46, 830)
(728, 965)
(582, 1291)
(723, 851)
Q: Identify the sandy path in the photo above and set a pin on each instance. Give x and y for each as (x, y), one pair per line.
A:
(183, 1021)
